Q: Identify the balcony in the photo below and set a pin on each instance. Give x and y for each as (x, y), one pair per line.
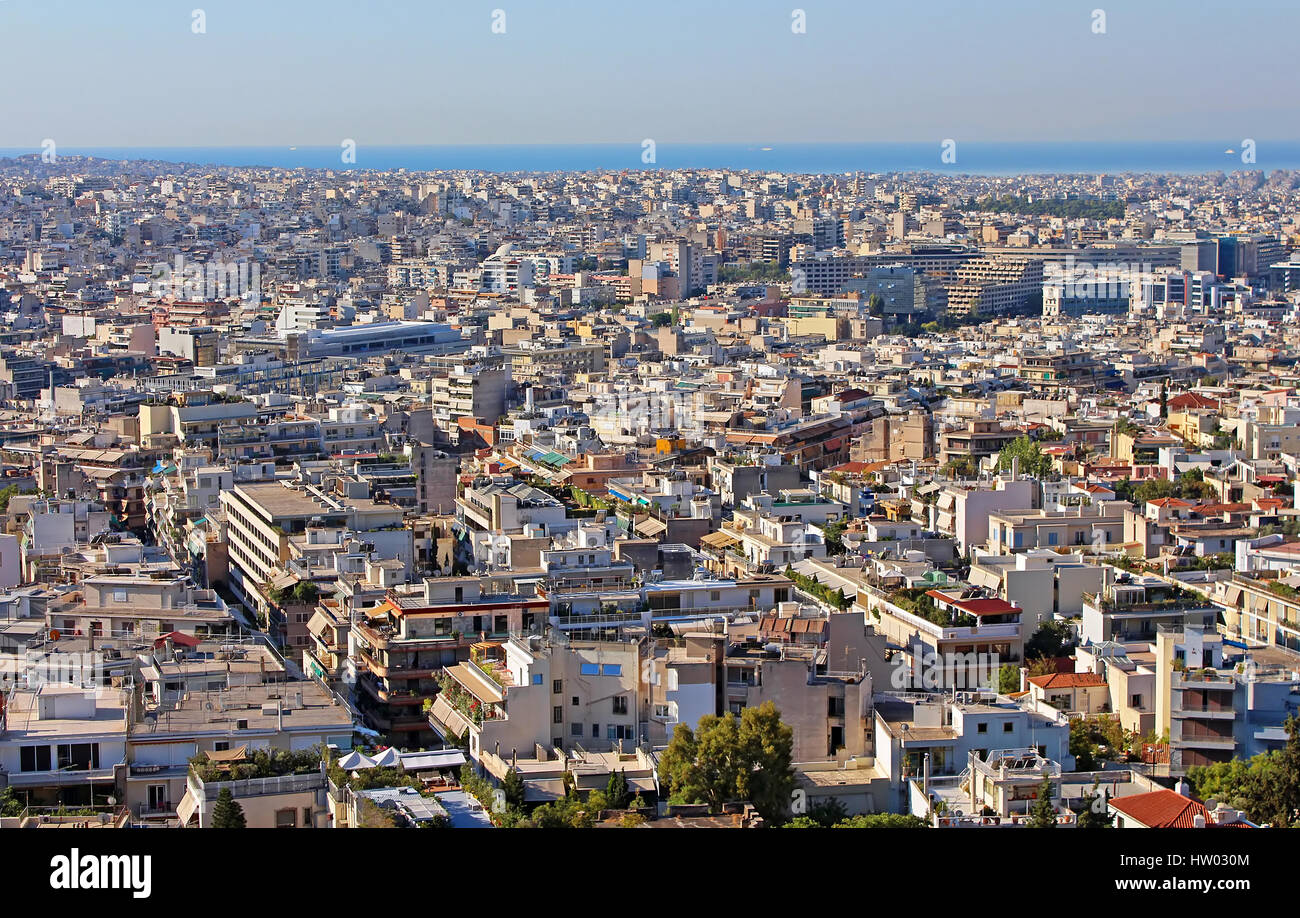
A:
(1203, 740)
(1199, 679)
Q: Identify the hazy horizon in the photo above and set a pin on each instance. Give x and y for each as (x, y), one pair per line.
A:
(398, 73)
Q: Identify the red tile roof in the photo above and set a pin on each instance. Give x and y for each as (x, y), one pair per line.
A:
(1068, 680)
(1162, 809)
(1192, 400)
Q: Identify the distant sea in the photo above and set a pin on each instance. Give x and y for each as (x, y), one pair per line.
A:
(971, 158)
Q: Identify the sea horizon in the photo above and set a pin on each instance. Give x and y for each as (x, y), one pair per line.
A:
(973, 158)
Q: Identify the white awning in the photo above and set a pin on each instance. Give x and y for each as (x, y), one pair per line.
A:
(432, 760)
(388, 758)
(354, 760)
(187, 808)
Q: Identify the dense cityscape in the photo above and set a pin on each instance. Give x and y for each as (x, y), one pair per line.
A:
(663, 498)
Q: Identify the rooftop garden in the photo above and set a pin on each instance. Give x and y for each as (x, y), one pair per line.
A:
(810, 585)
(260, 763)
(915, 600)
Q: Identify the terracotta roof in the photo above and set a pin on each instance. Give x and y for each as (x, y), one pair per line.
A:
(1192, 400)
(1068, 680)
(1222, 508)
(851, 468)
(1162, 809)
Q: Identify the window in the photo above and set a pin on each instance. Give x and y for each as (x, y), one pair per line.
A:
(557, 687)
(620, 704)
(589, 669)
(537, 678)
(557, 714)
(595, 731)
(501, 624)
(1008, 727)
(306, 816)
(575, 701)
(78, 756)
(611, 669)
(982, 728)
(286, 819)
(119, 596)
(1136, 701)
(34, 758)
(221, 746)
(575, 730)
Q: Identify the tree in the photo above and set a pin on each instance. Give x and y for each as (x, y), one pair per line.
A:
(617, 791)
(767, 779)
(882, 821)
(226, 812)
(1082, 746)
(1272, 791)
(960, 467)
(661, 319)
(803, 822)
(829, 812)
(1043, 814)
(726, 760)
(1095, 814)
(1048, 641)
(1032, 460)
(6, 494)
(1153, 489)
(512, 785)
(1008, 678)
(834, 533)
(10, 805)
(567, 813)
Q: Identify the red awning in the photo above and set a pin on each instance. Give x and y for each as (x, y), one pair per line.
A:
(177, 637)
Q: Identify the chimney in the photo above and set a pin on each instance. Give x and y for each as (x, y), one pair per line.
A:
(1198, 821)
(1015, 468)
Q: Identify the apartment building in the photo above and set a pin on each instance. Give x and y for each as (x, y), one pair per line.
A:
(993, 286)
(262, 517)
(1132, 608)
(399, 649)
(63, 744)
(1099, 525)
(146, 602)
(555, 692)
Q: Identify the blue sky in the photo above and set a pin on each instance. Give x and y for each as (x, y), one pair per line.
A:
(98, 72)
